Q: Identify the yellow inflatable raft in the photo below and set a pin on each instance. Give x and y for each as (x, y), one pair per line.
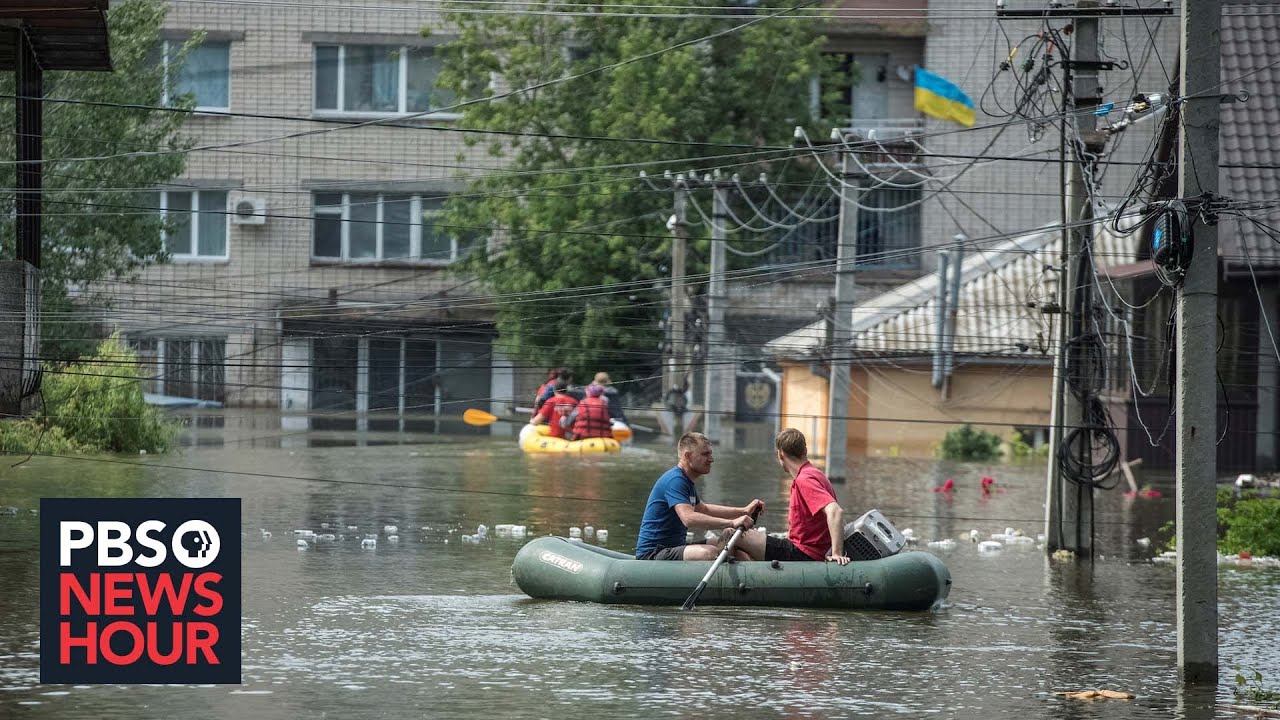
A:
(537, 439)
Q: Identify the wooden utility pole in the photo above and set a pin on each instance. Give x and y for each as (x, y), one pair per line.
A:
(1197, 328)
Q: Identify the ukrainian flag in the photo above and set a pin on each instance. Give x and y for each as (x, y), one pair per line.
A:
(939, 97)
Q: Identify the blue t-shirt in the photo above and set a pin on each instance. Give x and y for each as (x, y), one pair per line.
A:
(661, 526)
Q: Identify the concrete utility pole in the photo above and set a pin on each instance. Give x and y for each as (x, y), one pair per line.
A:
(719, 371)
(1070, 525)
(953, 313)
(842, 322)
(1069, 505)
(678, 363)
(1197, 327)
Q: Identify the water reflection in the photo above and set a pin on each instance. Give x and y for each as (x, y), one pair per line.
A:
(429, 625)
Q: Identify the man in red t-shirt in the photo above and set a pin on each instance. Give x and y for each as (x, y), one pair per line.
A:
(555, 409)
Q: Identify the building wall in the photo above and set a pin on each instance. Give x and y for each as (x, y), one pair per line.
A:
(269, 266)
(894, 410)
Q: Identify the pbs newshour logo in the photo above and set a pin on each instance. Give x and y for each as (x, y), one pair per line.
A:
(140, 590)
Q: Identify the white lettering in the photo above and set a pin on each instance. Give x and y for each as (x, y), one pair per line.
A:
(73, 535)
(114, 534)
(158, 551)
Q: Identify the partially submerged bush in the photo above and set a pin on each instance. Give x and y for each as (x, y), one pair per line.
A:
(966, 443)
(1250, 525)
(94, 405)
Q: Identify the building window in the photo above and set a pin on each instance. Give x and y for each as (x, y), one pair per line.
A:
(378, 80)
(196, 223)
(183, 367)
(205, 74)
(383, 227)
(889, 240)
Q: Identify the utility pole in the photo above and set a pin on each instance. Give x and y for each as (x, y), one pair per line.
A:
(842, 321)
(1197, 308)
(719, 372)
(678, 363)
(953, 313)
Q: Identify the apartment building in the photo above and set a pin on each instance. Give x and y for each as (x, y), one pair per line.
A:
(307, 270)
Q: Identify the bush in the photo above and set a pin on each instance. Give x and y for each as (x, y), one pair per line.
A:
(23, 437)
(1022, 451)
(1252, 525)
(965, 443)
(97, 404)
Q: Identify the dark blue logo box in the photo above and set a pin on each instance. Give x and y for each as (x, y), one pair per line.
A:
(177, 622)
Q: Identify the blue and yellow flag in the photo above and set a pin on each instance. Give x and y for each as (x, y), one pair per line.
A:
(939, 97)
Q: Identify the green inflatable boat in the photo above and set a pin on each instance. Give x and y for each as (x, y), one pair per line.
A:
(555, 568)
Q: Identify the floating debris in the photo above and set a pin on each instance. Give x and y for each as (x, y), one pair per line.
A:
(302, 544)
(910, 536)
(602, 536)
(575, 532)
(946, 544)
(369, 543)
(1098, 695)
(989, 546)
(393, 538)
(588, 532)
(390, 529)
(1144, 542)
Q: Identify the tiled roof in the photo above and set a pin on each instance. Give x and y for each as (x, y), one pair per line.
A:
(1001, 291)
(1248, 139)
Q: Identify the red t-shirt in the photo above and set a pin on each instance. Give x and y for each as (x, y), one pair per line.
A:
(556, 408)
(811, 491)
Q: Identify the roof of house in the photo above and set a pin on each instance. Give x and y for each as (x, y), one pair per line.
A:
(1248, 146)
(64, 34)
(1002, 289)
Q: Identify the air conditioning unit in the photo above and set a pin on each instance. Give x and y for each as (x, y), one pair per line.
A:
(246, 210)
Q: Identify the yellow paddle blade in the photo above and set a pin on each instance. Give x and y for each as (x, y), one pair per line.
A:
(622, 434)
(473, 416)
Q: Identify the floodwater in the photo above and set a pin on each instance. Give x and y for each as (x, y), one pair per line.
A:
(430, 626)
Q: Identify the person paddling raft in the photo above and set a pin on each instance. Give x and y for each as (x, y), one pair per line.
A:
(556, 409)
(675, 507)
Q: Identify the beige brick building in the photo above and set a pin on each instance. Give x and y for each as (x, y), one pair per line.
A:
(307, 273)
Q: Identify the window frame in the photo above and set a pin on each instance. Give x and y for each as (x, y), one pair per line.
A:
(402, 85)
(166, 96)
(417, 214)
(194, 227)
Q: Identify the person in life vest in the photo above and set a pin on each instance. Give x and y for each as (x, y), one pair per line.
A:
(546, 387)
(590, 419)
(611, 396)
(555, 410)
(564, 375)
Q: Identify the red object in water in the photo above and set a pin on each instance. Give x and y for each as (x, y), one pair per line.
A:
(986, 485)
(1131, 494)
(947, 486)
(1246, 555)
(1148, 493)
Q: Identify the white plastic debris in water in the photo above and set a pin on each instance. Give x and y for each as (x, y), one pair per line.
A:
(518, 531)
(1019, 540)
(1246, 480)
(369, 543)
(304, 533)
(266, 534)
(575, 532)
(1144, 542)
(352, 527)
(324, 526)
(482, 531)
(302, 544)
(688, 537)
(989, 546)
(943, 544)
(588, 532)
(710, 535)
(1009, 532)
(393, 538)
(1040, 537)
(602, 536)
(909, 535)
(973, 536)
(389, 529)
(326, 537)
(502, 530)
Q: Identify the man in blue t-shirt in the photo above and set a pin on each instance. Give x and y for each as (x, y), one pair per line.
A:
(674, 508)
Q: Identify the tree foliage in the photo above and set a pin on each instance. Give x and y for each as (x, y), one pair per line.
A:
(583, 247)
(104, 154)
(966, 443)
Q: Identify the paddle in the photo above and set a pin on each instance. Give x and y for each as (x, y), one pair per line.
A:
(480, 418)
(728, 548)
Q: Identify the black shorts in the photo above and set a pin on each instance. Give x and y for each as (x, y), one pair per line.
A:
(666, 553)
(776, 548)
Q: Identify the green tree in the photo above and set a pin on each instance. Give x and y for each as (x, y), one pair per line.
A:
(97, 221)
(567, 211)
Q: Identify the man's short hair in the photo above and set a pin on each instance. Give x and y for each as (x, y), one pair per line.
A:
(691, 441)
(791, 443)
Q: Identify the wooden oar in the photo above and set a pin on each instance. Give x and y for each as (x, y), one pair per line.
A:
(733, 542)
(480, 418)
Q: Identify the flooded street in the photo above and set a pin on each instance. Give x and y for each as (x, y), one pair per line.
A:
(429, 626)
